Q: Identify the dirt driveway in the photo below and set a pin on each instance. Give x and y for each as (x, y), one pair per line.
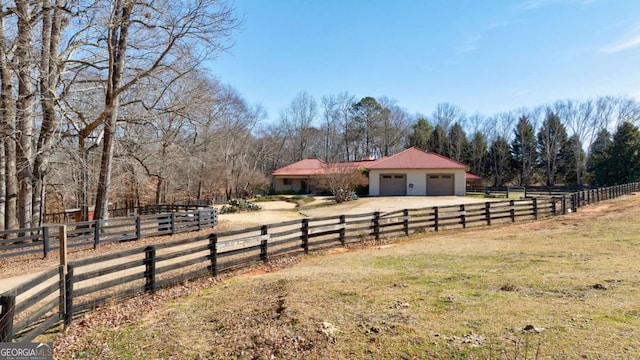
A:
(388, 204)
(278, 211)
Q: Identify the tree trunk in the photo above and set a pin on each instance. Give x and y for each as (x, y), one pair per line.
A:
(3, 183)
(49, 75)
(24, 113)
(11, 212)
(83, 185)
(7, 118)
(106, 166)
(159, 190)
(117, 42)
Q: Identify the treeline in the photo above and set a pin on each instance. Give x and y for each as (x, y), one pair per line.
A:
(565, 143)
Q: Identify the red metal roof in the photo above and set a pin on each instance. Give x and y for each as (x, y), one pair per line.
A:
(414, 158)
(309, 167)
(470, 176)
(302, 167)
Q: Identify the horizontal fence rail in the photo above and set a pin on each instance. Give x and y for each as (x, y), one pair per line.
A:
(128, 210)
(93, 233)
(57, 294)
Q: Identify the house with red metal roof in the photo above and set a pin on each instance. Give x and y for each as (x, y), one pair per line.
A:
(299, 175)
(412, 172)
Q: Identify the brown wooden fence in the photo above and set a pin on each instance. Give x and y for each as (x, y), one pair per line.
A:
(57, 294)
(93, 233)
(128, 210)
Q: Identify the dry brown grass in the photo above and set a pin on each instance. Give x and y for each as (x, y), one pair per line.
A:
(562, 288)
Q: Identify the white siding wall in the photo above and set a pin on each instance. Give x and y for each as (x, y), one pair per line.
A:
(419, 180)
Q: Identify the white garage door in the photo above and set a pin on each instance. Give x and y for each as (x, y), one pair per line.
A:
(440, 185)
(393, 184)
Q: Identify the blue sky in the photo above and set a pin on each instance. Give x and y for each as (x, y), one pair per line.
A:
(484, 56)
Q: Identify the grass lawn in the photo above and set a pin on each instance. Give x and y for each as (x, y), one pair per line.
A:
(563, 288)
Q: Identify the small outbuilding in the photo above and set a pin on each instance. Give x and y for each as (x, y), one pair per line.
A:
(416, 172)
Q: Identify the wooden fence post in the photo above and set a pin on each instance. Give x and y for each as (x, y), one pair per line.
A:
(199, 220)
(96, 234)
(436, 220)
(554, 210)
(343, 229)
(68, 297)
(463, 217)
(62, 238)
(213, 254)
(376, 225)
(62, 271)
(150, 269)
(405, 221)
(8, 303)
(535, 208)
(487, 212)
(563, 205)
(45, 240)
(305, 235)
(173, 223)
(264, 230)
(138, 228)
(512, 210)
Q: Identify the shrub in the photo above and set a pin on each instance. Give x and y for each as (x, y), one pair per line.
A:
(238, 205)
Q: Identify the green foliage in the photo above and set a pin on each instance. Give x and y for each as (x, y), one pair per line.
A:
(420, 135)
(438, 141)
(458, 144)
(367, 119)
(597, 163)
(499, 160)
(552, 137)
(477, 153)
(523, 151)
(621, 163)
(572, 159)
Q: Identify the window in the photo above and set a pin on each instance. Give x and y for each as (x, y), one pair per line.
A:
(386, 176)
(286, 181)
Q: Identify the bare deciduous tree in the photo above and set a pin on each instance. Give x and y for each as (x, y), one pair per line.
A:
(340, 179)
(128, 41)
